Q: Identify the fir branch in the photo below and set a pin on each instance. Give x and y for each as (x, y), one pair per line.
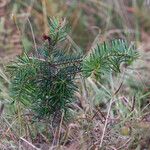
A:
(107, 57)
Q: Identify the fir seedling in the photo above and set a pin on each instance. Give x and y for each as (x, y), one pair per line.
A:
(44, 80)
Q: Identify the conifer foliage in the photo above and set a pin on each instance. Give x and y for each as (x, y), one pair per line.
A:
(108, 57)
(44, 79)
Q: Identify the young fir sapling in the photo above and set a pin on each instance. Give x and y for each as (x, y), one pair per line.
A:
(44, 80)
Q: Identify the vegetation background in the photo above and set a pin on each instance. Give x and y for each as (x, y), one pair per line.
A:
(91, 22)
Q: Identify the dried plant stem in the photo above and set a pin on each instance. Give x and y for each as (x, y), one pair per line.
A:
(106, 122)
(19, 117)
(35, 46)
(124, 144)
(59, 131)
(45, 16)
(30, 144)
